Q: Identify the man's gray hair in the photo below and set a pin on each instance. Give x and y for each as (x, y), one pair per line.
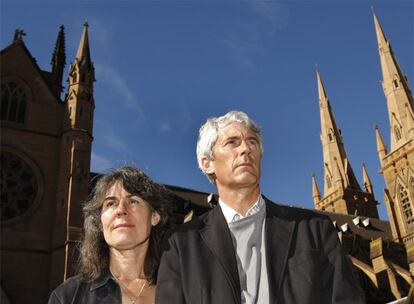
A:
(207, 136)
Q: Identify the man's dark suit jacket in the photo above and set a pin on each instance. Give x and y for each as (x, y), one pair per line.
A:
(305, 262)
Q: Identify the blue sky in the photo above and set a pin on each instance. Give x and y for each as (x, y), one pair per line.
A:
(164, 67)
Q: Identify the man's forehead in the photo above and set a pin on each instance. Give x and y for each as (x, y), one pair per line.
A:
(235, 129)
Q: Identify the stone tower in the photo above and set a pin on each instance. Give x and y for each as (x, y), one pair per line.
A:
(342, 193)
(75, 155)
(45, 158)
(397, 165)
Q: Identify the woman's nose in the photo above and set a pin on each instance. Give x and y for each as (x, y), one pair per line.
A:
(121, 208)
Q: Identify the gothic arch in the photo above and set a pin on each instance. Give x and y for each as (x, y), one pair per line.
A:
(16, 98)
(404, 200)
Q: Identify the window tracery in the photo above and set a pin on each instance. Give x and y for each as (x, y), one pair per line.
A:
(19, 187)
(13, 102)
(405, 203)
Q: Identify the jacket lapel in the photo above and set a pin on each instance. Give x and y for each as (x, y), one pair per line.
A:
(279, 232)
(216, 235)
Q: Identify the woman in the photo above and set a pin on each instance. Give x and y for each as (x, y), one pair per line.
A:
(124, 222)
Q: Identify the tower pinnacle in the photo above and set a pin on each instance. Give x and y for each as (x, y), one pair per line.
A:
(83, 55)
(58, 61)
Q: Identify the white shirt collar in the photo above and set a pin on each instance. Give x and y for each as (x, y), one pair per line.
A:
(232, 215)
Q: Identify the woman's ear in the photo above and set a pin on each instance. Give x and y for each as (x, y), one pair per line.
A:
(155, 218)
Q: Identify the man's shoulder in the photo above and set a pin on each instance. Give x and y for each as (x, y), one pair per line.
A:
(294, 213)
(195, 224)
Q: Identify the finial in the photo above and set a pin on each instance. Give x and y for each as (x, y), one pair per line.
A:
(372, 9)
(62, 27)
(18, 35)
(86, 23)
(376, 127)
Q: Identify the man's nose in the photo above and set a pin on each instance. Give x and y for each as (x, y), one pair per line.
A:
(245, 147)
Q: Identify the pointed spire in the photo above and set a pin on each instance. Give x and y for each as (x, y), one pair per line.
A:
(83, 56)
(383, 43)
(332, 144)
(315, 191)
(396, 90)
(367, 181)
(381, 148)
(323, 97)
(58, 61)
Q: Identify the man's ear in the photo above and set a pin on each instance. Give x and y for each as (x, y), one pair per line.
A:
(208, 165)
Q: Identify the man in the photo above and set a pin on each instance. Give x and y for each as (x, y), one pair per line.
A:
(248, 249)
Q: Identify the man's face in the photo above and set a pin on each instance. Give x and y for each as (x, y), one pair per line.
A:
(237, 158)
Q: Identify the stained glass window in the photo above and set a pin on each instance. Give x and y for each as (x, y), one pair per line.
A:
(12, 102)
(19, 187)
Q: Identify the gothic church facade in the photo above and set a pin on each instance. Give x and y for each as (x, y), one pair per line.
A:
(385, 268)
(45, 162)
(45, 175)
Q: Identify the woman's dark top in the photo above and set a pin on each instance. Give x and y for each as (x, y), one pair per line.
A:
(77, 290)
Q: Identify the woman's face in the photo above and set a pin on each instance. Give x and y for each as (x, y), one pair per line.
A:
(126, 219)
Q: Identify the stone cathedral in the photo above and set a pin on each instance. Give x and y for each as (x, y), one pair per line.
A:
(46, 142)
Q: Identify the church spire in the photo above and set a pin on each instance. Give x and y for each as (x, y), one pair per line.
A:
(367, 181)
(58, 61)
(80, 91)
(315, 191)
(333, 148)
(399, 97)
(83, 56)
(381, 148)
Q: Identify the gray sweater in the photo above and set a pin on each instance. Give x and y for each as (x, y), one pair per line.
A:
(248, 241)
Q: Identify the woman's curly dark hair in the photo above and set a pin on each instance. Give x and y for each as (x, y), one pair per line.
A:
(94, 251)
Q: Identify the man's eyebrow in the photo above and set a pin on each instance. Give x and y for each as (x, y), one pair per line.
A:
(231, 137)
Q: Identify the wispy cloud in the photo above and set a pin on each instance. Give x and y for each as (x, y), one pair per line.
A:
(241, 47)
(99, 32)
(247, 40)
(112, 78)
(164, 126)
(100, 163)
(113, 140)
(271, 12)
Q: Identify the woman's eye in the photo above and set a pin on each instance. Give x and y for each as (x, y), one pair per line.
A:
(109, 204)
(134, 202)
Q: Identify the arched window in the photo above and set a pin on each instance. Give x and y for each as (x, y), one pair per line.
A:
(397, 132)
(330, 135)
(328, 181)
(13, 102)
(396, 82)
(405, 204)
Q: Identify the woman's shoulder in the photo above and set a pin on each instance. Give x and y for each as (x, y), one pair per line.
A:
(67, 290)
